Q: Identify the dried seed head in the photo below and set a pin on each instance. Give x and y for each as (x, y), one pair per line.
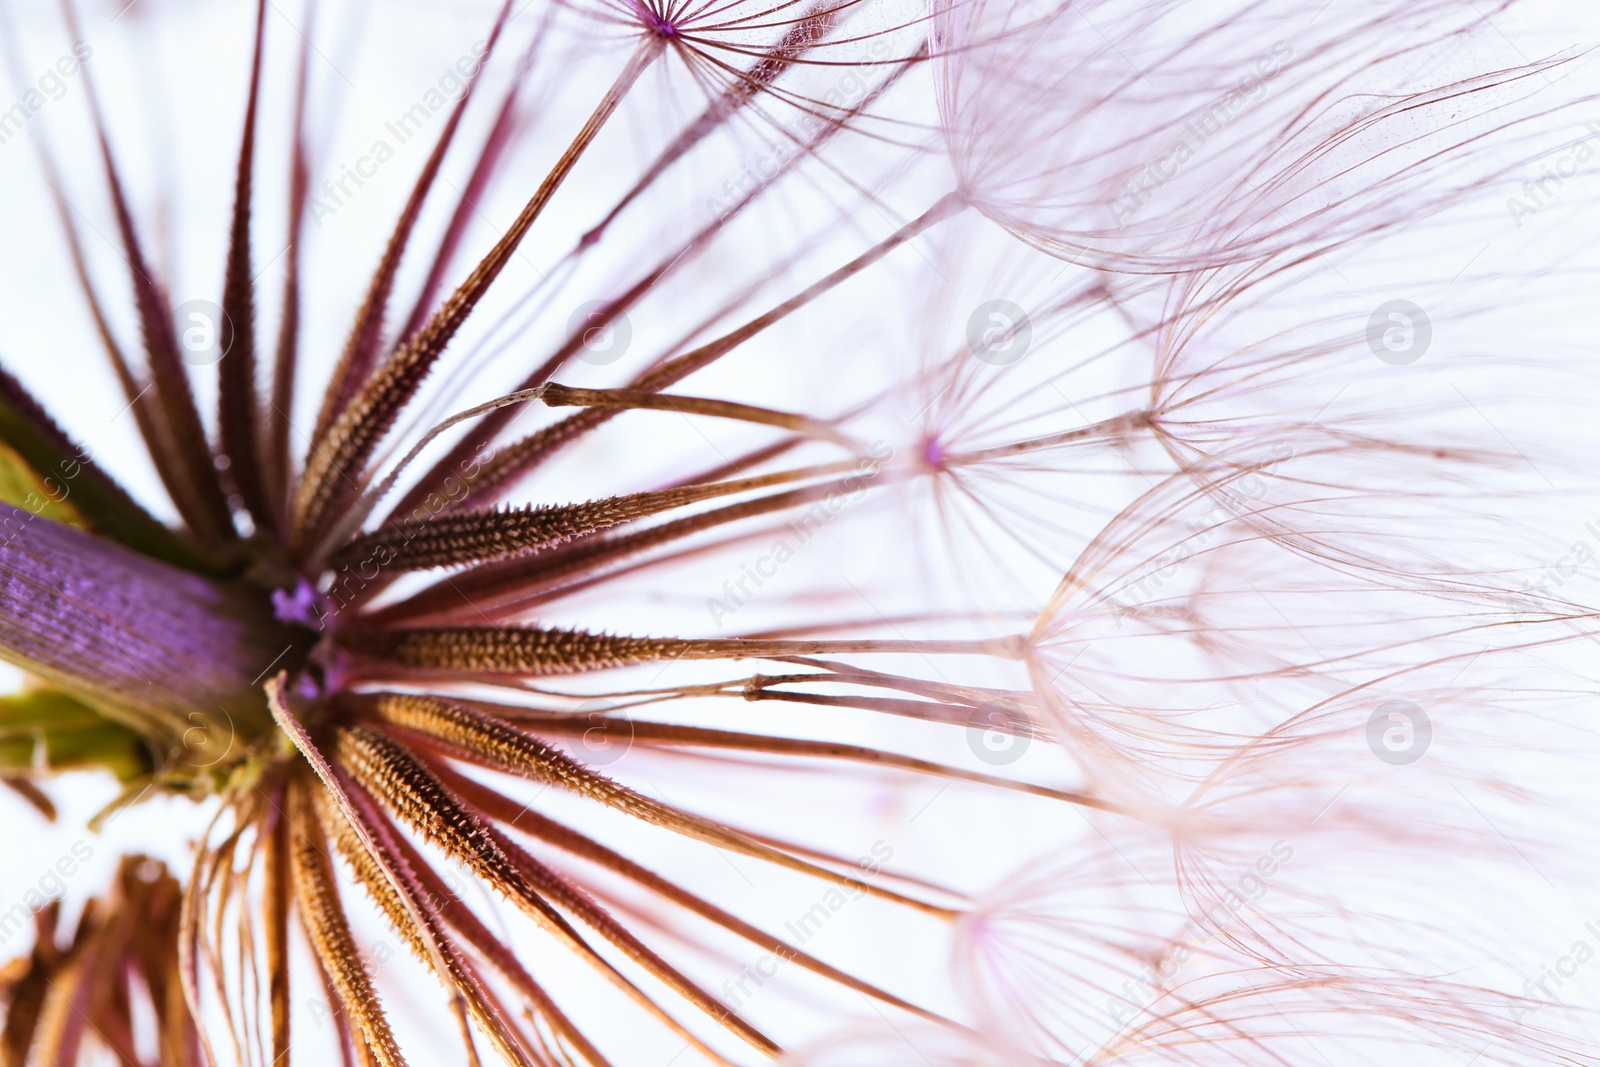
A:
(1221, 534)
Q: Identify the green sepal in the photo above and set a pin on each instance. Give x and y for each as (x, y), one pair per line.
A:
(59, 475)
(49, 730)
(20, 485)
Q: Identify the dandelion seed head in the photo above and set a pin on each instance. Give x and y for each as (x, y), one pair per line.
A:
(1044, 528)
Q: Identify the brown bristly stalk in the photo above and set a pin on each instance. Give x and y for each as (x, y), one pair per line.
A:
(416, 797)
(477, 441)
(379, 851)
(401, 764)
(238, 405)
(397, 900)
(506, 124)
(323, 916)
(473, 734)
(149, 420)
(484, 942)
(464, 538)
(350, 808)
(278, 894)
(672, 735)
(198, 491)
(502, 589)
(744, 88)
(938, 701)
(151, 427)
(557, 395)
(538, 652)
(358, 428)
(507, 465)
(360, 352)
(276, 457)
(524, 819)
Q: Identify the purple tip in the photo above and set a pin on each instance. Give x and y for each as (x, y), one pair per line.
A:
(296, 605)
